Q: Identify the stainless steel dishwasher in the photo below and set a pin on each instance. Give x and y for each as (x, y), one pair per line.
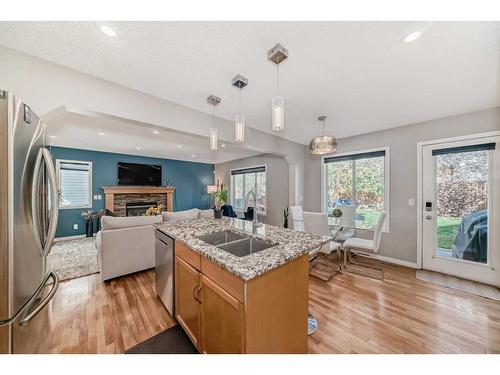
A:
(164, 264)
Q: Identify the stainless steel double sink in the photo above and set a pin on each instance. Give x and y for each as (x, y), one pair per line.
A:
(236, 244)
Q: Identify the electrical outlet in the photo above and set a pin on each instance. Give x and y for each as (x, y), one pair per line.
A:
(75, 226)
(411, 202)
(99, 197)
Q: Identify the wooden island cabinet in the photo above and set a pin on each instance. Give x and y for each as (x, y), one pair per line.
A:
(222, 313)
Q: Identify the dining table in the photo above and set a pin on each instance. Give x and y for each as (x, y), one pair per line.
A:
(339, 226)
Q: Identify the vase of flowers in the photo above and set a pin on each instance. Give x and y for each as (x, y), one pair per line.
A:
(89, 226)
(337, 213)
(220, 199)
(98, 216)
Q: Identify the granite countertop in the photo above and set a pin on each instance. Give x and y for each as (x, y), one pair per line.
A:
(290, 244)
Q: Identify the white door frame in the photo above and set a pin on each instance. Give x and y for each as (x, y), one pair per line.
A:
(420, 147)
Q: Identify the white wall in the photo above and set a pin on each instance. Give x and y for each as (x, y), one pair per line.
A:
(277, 175)
(401, 242)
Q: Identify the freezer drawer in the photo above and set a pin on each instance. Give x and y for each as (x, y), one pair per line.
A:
(164, 264)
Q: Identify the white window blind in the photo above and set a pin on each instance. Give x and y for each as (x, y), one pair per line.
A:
(75, 183)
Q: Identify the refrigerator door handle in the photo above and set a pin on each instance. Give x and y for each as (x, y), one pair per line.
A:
(52, 275)
(54, 200)
(34, 201)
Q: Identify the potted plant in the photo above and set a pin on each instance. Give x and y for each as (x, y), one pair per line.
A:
(220, 199)
(286, 213)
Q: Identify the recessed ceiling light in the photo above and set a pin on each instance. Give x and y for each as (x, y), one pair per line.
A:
(138, 148)
(100, 133)
(412, 37)
(223, 145)
(52, 136)
(193, 155)
(156, 132)
(180, 146)
(108, 31)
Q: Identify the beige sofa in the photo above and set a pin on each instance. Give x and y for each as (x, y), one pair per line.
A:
(127, 244)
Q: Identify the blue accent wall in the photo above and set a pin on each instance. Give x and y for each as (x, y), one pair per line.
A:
(190, 180)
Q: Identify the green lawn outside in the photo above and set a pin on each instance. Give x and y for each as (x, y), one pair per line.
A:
(370, 215)
(446, 231)
(447, 227)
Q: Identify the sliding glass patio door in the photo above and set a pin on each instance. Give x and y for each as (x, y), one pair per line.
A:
(461, 206)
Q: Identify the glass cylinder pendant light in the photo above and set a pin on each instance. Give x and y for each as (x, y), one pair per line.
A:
(239, 120)
(323, 144)
(214, 139)
(239, 128)
(278, 113)
(213, 136)
(277, 55)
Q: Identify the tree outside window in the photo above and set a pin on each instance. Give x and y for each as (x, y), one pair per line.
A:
(356, 180)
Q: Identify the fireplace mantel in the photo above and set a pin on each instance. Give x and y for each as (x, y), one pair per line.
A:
(110, 193)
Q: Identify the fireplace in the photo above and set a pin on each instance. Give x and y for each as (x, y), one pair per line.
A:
(139, 208)
(118, 197)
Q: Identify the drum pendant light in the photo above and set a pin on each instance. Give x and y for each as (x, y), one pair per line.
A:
(323, 144)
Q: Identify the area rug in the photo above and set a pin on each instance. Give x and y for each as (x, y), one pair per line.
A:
(172, 341)
(462, 285)
(74, 258)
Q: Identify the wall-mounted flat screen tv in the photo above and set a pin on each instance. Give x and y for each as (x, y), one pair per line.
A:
(139, 174)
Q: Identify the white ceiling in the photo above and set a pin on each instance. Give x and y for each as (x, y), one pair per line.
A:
(359, 74)
(89, 131)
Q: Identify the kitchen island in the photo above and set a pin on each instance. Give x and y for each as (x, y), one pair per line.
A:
(240, 288)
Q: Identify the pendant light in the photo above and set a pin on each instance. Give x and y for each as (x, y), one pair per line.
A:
(323, 144)
(213, 136)
(239, 120)
(277, 55)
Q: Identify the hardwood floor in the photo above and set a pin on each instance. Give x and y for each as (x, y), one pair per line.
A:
(89, 316)
(400, 314)
(356, 315)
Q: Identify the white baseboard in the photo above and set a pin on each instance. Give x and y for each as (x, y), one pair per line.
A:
(396, 261)
(69, 238)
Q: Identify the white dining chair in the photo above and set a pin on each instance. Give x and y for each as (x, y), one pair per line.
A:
(317, 223)
(348, 216)
(366, 248)
(297, 218)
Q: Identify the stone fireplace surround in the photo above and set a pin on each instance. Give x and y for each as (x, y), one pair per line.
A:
(117, 197)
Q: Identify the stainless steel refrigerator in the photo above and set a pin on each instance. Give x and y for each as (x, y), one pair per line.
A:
(28, 220)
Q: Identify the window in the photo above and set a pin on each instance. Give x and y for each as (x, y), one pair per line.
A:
(75, 183)
(244, 181)
(361, 180)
